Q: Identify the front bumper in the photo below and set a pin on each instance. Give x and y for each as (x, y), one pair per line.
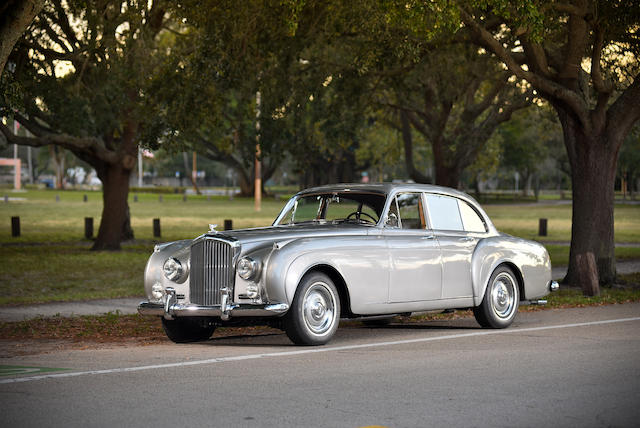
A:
(189, 310)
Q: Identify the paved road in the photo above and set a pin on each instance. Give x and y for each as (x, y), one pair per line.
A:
(572, 367)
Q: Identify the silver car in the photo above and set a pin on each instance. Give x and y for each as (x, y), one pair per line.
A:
(366, 251)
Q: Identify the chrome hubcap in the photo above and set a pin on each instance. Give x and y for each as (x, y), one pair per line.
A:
(503, 295)
(319, 308)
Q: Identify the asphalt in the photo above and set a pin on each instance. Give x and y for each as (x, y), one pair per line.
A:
(575, 367)
(129, 305)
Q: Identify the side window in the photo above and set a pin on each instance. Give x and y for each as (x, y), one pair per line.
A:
(411, 213)
(444, 213)
(470, 218)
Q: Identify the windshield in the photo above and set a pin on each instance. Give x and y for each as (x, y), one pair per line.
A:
(335, 207)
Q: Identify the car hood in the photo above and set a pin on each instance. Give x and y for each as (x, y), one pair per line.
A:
(286, 233)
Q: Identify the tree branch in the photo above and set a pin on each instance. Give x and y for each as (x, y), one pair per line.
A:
(552, 89)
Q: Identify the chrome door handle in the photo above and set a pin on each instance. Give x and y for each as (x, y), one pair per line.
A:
(429, 237)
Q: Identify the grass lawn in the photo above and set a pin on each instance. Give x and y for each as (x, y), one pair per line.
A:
(50, 261)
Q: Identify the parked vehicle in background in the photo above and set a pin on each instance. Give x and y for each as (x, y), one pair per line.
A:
(346, 251)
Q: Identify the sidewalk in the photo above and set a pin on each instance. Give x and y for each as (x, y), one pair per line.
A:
(129, 305)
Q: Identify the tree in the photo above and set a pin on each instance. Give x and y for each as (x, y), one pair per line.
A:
(581, 56)
(85, 68)
(456, 99)
(525, 141)
(15, 17)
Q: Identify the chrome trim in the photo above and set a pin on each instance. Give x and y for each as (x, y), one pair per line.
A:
(182, 310)
(554, 286)
(170, 300)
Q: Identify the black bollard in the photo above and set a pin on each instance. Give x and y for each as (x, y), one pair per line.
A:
(156, 228)
(88, 227)
(228, 224)
(85, 198)
(15, 226)
(542, 227)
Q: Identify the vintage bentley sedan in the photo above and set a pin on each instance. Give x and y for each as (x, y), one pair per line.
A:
(366, 251)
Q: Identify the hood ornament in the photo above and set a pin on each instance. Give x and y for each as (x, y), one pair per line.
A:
(212, 228)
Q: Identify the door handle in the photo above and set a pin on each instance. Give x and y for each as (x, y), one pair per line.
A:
(429, 237)
(468, 239)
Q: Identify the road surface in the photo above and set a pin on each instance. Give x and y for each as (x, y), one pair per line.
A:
(560, 368)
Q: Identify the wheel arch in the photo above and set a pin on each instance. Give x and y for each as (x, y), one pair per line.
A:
(516, 271)
(339, 282)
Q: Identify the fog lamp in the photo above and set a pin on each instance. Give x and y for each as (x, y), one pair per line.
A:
(252, 291)
(157, 291)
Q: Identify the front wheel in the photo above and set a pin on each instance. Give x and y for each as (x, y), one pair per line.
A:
(501, 299)
(188, 329)
(315, 312)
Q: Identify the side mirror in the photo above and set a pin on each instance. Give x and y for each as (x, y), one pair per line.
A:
(392, 220)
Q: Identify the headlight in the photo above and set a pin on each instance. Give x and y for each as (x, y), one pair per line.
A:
(247, 268)
(157, 291)
(172, 269)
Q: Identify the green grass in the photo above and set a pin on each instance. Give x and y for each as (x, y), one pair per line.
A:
(68, 271)
(51, 261)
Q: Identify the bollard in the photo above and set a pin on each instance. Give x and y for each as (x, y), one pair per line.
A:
(6, 199)
(208, 198)
(135, 198)
(159, 198)
(184, 198)
(57, 198)
(85, 198)
(542, 227)
(88, 227)
(228, 224)
(156, 228)
(15, 226)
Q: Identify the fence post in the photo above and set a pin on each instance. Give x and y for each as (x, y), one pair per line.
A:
(228, 224)
(15, 226)
(88, 227)
(156, 228)
(85, 198)
(542, 227)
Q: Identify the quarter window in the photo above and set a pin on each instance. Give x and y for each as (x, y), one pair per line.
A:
(470, 218)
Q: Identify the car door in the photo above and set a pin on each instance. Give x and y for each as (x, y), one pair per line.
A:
(457, 227)
(415, 272)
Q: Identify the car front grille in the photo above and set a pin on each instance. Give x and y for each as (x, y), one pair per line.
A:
(211, 271)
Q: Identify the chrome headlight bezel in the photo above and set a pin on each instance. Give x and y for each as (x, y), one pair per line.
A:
(247, 268)
(172, 269)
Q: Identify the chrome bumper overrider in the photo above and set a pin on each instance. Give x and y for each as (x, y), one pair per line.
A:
(554, 286)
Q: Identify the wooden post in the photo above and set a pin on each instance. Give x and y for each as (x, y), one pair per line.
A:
(15, 227)
(88, 227)
(542, 227)
(228, 224)
(156, 228)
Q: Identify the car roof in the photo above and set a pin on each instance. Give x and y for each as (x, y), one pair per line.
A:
(384, 188)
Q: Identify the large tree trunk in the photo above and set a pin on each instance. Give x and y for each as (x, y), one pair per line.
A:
(593, 167)
(115, 224)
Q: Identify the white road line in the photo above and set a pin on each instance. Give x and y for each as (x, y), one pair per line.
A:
(303, 351)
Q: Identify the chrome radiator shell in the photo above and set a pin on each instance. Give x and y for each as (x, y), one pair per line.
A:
(212, 270)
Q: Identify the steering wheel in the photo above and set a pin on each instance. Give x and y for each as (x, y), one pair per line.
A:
(358, 216)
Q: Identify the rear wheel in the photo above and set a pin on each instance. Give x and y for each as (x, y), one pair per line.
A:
(185, 330)
(315, 312)
(501, 299)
